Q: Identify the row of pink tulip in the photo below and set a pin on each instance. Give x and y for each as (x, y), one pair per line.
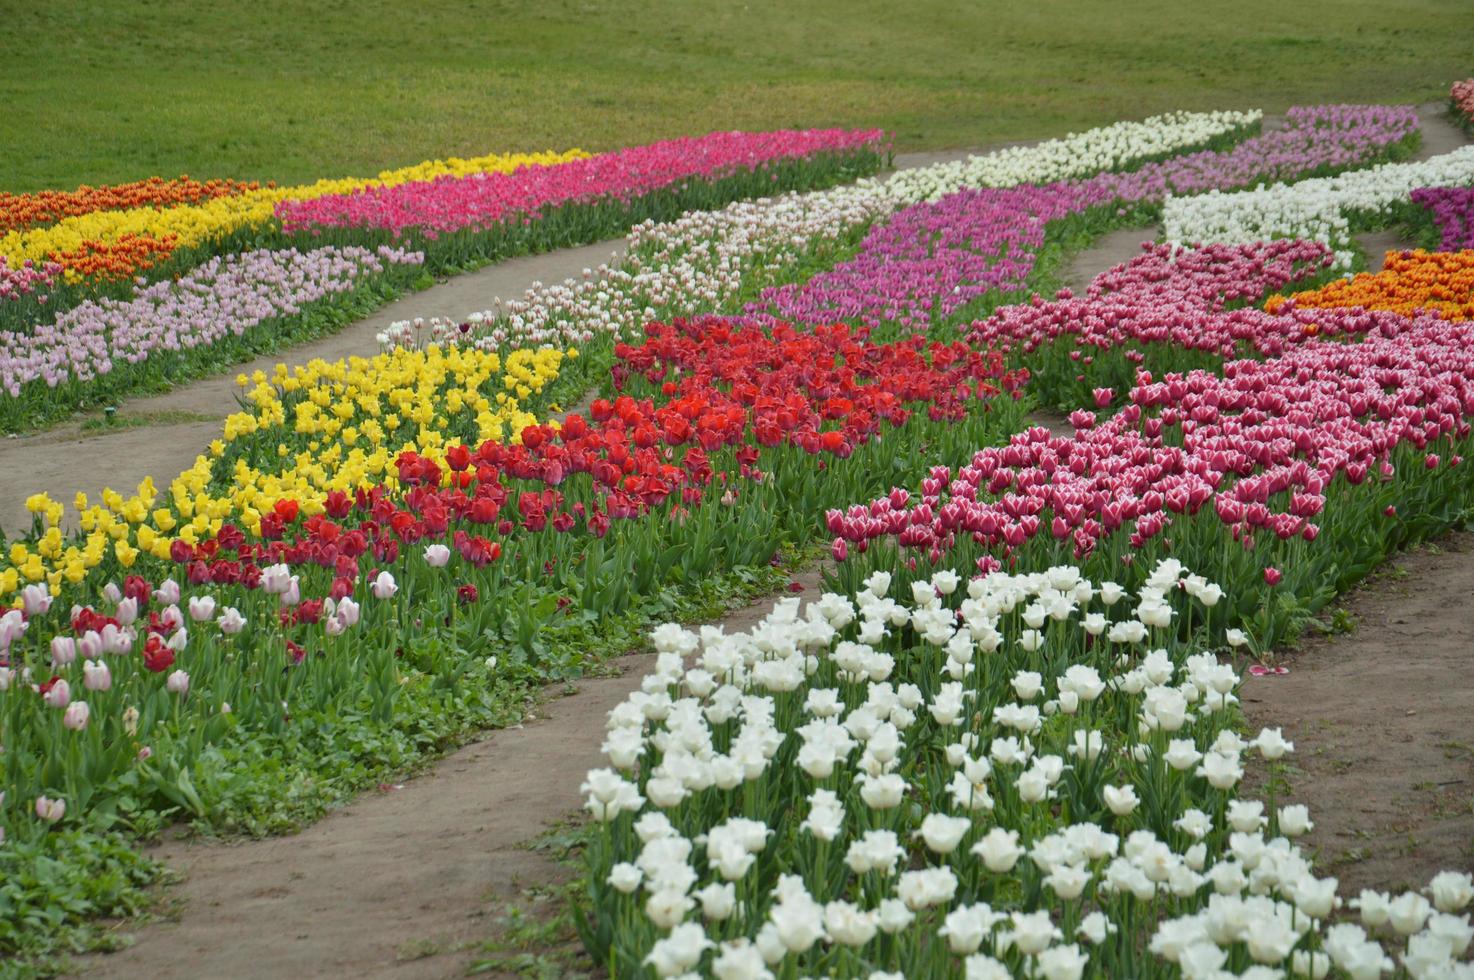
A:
(479, 201)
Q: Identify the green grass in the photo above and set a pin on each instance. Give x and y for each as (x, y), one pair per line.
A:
(106, 90)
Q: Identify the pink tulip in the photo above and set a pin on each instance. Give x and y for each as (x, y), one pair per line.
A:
(384, 586)
(90, 645)
(96, 676)
(63, 650)
(231, 621)
(35, 599)
(76, 716)
(50, 810)
(59, 695)
(201, 608)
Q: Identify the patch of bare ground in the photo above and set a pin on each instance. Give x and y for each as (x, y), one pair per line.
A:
(1382, 717)
(1107, 252)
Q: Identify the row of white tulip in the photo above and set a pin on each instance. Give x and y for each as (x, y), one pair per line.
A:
(1324, 209)
(1020, 775)
(1111, 147)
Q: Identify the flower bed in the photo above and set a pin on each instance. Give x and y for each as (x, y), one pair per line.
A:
(1409, 283)
(1232, 470)
(1118, 147)
(46, 207)
(932, 261)
(718, 429)
(292, 447)
(117, 232)
(480, 202)
(1452, 211)
(1326, 209)
(110, 347)
(703, 260)
(1168, 309)
(381, 554)
(338, 600)
(45, 347)
(1020, 775)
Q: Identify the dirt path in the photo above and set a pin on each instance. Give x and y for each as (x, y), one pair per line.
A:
(397, 883)
(1108, 251)
(1382, 719)
(1439, 134)
(65, 460)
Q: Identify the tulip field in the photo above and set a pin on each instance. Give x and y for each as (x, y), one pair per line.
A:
(1004, 740)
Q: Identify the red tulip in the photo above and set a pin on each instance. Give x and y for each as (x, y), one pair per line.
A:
(156, 656)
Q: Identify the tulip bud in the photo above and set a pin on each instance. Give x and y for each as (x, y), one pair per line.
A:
(384, 586)
(437, 555)
(63, 650)
(76, 716)
(96, 676)
(130, 721)
(50, 810)
(178, 683)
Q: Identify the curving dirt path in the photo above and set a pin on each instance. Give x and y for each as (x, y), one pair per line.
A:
(1382, 718)
(1107, 252)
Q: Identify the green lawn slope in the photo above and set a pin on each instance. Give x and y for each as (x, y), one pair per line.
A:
(109, 90)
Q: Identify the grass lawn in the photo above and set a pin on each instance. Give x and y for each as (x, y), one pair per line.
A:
(109, 90)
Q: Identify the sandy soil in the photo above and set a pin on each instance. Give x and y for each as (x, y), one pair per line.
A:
(1108, 251)
(1382, 718)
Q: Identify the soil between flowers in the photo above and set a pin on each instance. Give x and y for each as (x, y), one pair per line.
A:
(1381, 721)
